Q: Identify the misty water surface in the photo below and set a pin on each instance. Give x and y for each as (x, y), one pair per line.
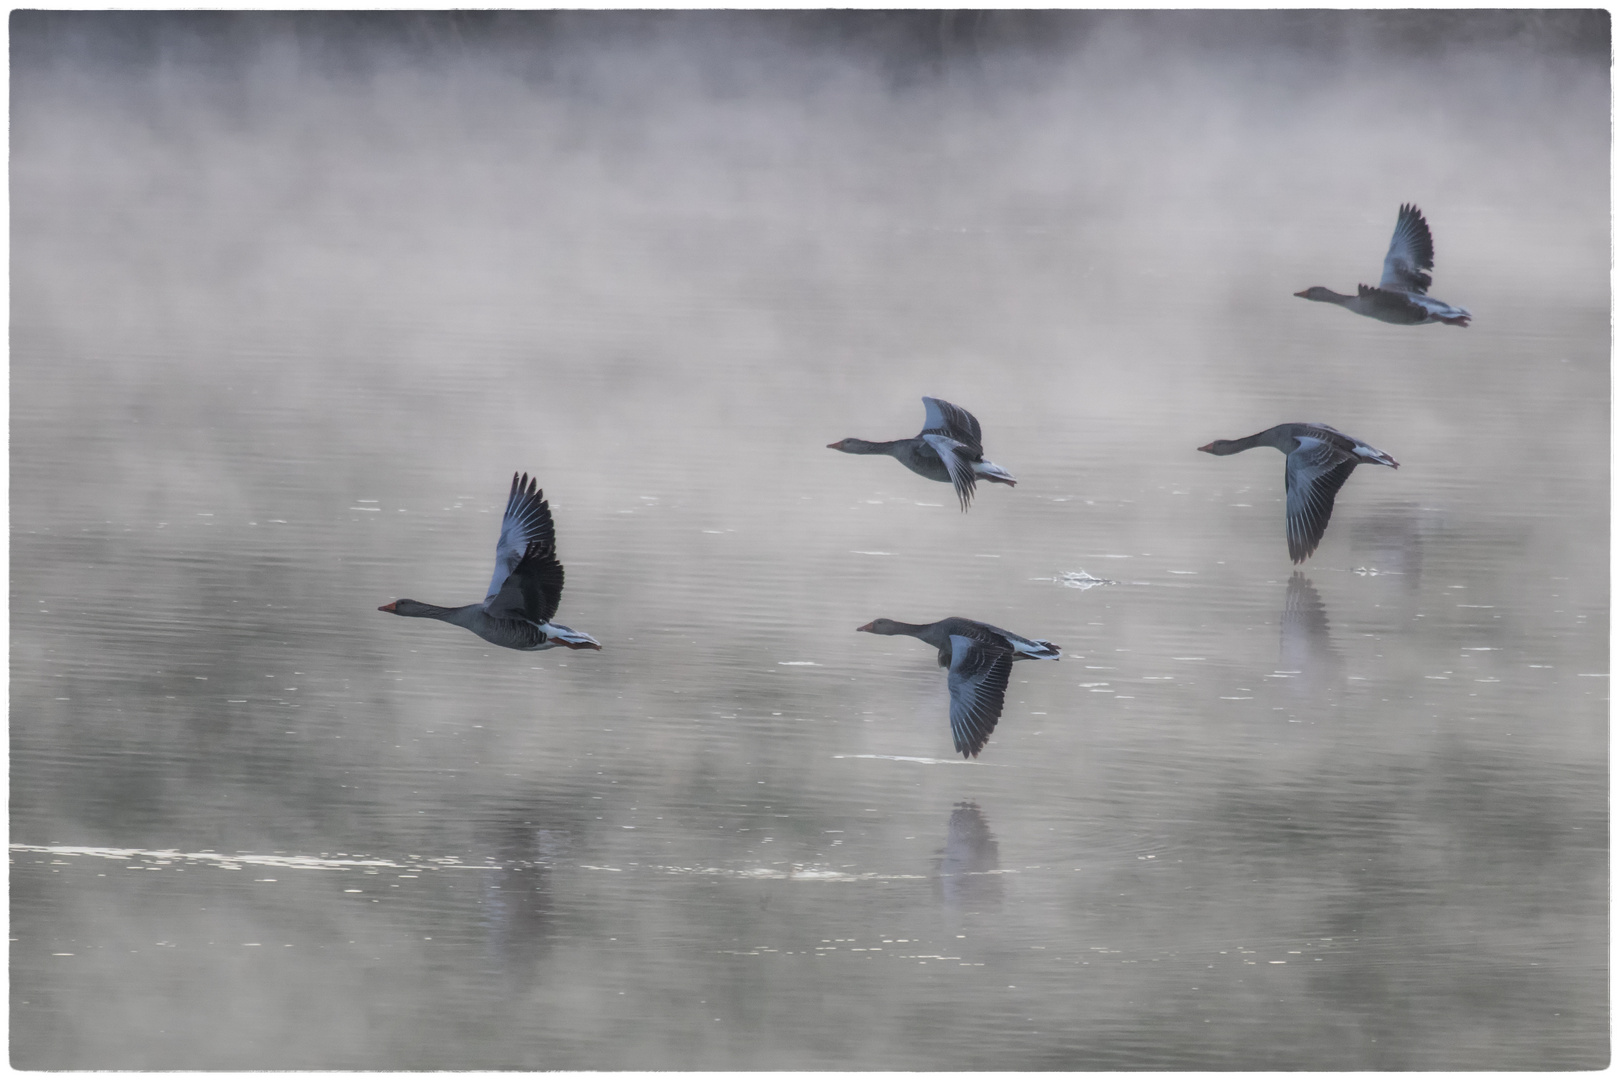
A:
(292, 297)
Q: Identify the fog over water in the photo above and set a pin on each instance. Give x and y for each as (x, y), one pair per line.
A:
(294, 295)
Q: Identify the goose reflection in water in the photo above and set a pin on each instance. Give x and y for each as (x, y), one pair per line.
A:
(1306, 649)
(968, 872)
(517, 908)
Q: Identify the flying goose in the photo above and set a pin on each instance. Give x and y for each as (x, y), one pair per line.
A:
(979, 657)
(947, 449)
(1401, 295)
(1320, 460)
(526, 588)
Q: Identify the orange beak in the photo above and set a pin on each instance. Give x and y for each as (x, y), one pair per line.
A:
(1206, 448)
(867, 628)
(388, 607)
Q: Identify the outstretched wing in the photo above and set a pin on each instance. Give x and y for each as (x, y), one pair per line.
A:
(1411, 252)
(533, 590)
(1312, 477)
(527, 521)
(957, 462)
(978, 682)
(953, 422)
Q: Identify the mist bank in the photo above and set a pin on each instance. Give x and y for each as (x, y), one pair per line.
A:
(903, 46)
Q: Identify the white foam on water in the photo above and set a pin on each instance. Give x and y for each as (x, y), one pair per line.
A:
(238, 860)
(796, 873)
(922, 760)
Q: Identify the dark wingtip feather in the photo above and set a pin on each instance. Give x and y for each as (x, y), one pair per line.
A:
(1412, 221)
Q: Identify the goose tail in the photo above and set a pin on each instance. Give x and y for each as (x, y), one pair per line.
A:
(1376, 456)
(989, 470)
(1038, 649)
(570, 637)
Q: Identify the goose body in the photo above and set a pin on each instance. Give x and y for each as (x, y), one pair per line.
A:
(948, 449)
(978, 658)
(526, 588)
(1319, 461)
(1401, 295)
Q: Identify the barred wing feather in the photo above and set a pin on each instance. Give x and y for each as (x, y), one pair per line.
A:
(533, 590)
(978, 683)
(1411, 252)
(527, 521)
(1313, 476)
(954, 421)
(957, 462)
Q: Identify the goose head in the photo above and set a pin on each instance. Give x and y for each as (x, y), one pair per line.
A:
(880, 626)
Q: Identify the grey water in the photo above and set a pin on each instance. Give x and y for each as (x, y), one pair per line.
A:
(294, 295)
